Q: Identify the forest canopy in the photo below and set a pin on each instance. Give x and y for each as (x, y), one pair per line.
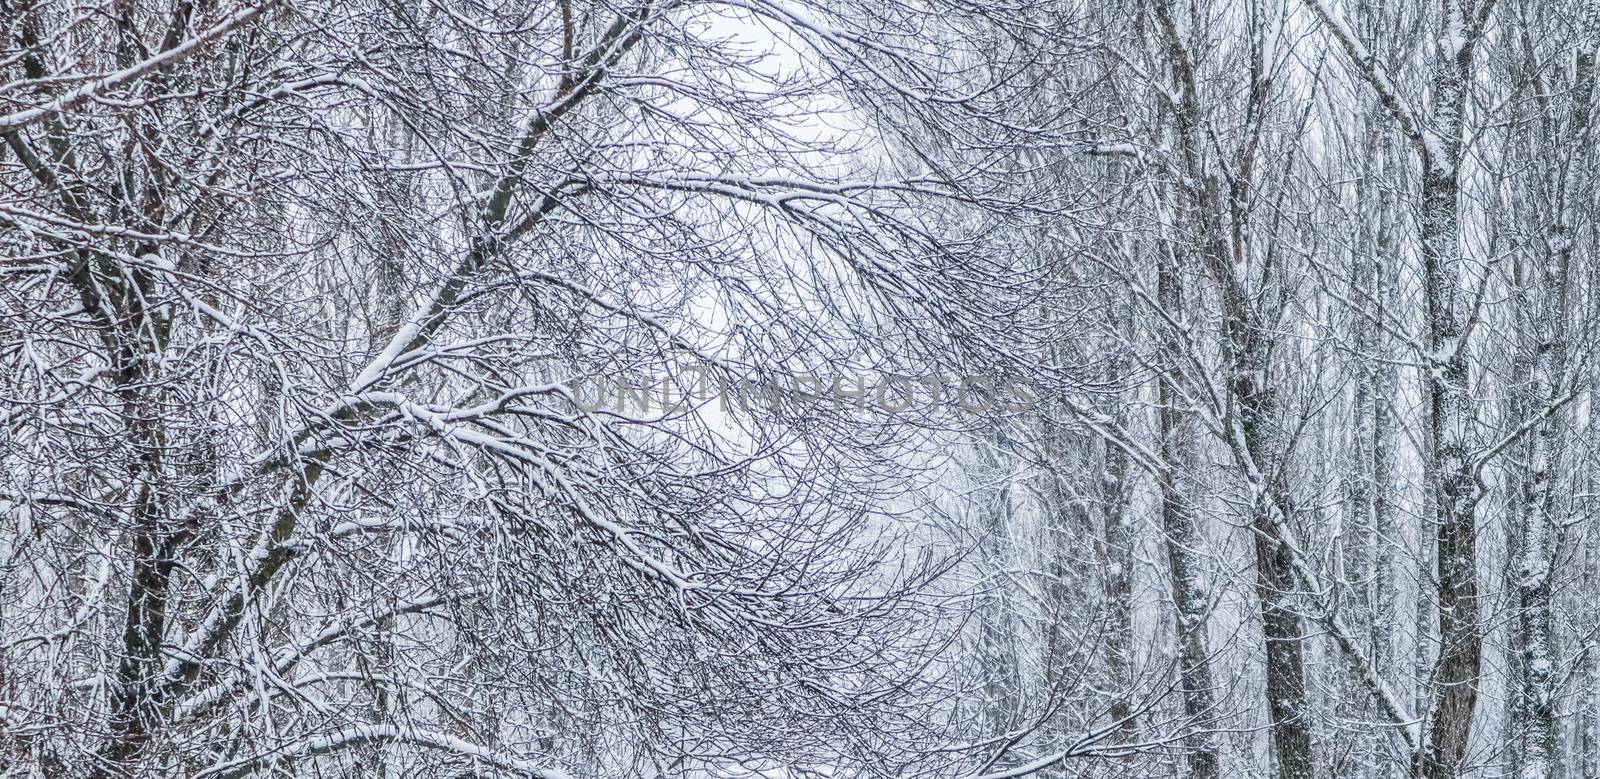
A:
(798, 388)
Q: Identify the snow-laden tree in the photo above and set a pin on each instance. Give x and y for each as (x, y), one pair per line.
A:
(505, 388)
(1346, 232)
(302, 299)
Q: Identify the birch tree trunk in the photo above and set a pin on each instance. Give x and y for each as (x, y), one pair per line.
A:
(1545, 290)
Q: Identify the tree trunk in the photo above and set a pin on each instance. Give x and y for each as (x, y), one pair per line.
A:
(1540, 517)
(1181, 533)
(1454, 487)
(1254, 436)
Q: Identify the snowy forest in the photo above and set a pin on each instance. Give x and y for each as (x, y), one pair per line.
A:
(799, 389)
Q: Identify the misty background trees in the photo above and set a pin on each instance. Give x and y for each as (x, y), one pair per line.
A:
(1069, 388)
